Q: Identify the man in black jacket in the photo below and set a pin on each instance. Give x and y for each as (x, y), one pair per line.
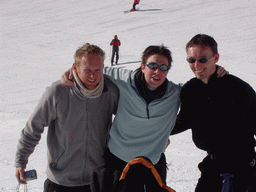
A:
(221, 112)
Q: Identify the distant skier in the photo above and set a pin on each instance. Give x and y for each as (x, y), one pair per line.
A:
(115, 43)
(136, 2)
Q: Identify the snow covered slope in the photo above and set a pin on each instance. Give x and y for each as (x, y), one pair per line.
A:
(39, 38)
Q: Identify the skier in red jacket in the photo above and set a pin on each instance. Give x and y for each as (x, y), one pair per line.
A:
(136, 2)
(115, 43)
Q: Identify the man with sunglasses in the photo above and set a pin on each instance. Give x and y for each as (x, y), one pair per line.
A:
(221, 114)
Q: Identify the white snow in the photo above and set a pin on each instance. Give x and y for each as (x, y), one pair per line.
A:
(39, 38)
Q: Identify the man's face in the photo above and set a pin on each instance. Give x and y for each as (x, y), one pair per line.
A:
(202, 71)
(90, 70)
(155, 77)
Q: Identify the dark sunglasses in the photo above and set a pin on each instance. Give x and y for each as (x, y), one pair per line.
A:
(201, 59)
(154, 66)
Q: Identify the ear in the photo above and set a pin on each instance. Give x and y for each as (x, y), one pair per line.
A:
(143, 67)
(75, 67)
(216, 57)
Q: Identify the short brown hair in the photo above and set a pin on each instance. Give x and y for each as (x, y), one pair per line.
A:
(157, 49)
(204, 41)
(87, 49)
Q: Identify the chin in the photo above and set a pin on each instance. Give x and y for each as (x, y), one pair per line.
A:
(90, 87)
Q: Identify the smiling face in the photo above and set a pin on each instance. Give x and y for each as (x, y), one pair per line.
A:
(155, 77)
(90, 70)
(203, 71)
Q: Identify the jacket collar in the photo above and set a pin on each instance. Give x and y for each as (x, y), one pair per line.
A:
(147, 94)
(79, 94)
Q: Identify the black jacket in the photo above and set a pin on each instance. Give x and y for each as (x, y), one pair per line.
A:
(222, 117)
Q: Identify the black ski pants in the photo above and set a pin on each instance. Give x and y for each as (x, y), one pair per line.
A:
(115, 164)
(211, 180)
(49, 186)
(134, 5)
(115, 52)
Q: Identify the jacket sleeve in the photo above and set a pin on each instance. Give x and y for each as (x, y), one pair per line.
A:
(249, 102)
(42, 116)
(252, 109)
(117, 74)
(182, 123)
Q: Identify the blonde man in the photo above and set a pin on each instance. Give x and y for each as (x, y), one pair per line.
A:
(78, 119)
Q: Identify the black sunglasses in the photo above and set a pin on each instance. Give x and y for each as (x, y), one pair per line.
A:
(201, 59)
(154, 66)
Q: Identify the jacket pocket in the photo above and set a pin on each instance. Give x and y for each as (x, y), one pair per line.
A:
(55, 156)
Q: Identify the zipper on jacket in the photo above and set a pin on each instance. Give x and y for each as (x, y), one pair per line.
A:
(147, 111)
(86, 137)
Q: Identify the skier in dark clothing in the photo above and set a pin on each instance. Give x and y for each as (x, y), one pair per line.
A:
(136, 2)
(115, 43)
(221, 112)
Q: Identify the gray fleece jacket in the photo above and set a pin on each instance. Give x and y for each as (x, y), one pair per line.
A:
(78, 130)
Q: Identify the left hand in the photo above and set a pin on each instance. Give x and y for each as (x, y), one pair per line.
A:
(221, 71)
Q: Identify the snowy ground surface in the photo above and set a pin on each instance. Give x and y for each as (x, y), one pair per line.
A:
(38, 40)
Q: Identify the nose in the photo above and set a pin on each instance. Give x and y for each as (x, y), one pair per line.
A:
(197, 64)
(92, 73)
(157, 70)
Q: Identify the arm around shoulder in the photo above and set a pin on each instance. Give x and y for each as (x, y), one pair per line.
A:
(117, 74)
(67, 76)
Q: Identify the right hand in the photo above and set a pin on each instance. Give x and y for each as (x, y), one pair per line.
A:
(66, 77)
(20, 175)
(221, 71)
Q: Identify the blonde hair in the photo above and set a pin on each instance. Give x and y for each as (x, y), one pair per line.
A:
(87, 49)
